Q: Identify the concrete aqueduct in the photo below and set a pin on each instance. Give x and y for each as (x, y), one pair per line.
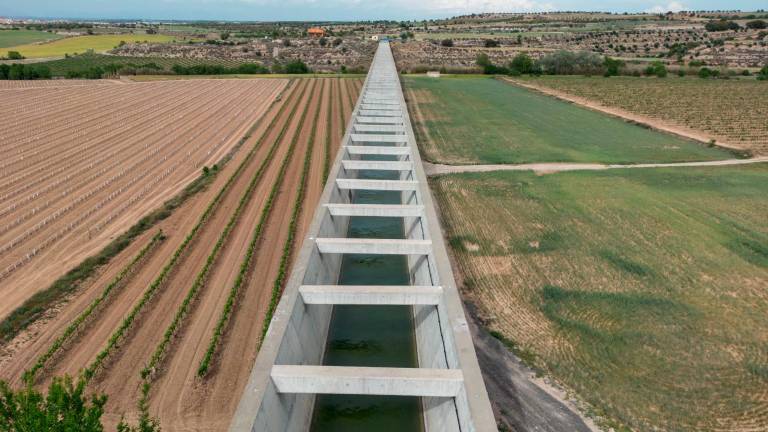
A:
(377, 178)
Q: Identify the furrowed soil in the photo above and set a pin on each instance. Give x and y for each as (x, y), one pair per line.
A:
(642, 292)
(480, 120)
(86, 162)
(180, 399)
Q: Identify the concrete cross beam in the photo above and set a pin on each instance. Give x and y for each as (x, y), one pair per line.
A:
(377, 165)
(379, 120)
(380, 113)
(371, 294)
(379, 210)
(381, 185)
(382, 101)
(377, 106)
(379, 94)
(367, 380)
(378, 150)
(379, 138)
(379, 128)
(373, 246)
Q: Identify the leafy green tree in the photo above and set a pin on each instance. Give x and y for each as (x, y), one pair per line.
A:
(522, 63)
(482, 60)
(763, 74)
(15, 55)
(564, 62)
(612, 66)
(65, 408)
(757, 24)
(721, 25)
(656, 68)
(296, 67)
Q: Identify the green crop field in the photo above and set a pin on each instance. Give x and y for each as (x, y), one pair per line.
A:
(10, 38)
(81, 44)
(483, 120)
(644, 291)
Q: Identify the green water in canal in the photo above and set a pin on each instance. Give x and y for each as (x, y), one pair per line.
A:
(380, 336)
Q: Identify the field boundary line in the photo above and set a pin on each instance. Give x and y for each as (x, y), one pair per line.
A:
(659, 125)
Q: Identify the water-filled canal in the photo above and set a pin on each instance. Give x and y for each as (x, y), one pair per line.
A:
(377, 336)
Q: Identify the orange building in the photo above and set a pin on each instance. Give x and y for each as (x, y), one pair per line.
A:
(316, 32)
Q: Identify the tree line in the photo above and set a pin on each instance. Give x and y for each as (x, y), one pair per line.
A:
(565, 62)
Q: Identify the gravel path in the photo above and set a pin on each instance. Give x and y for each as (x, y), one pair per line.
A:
(552, 167)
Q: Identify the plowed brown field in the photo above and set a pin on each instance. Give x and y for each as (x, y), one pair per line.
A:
(293, 129)
(83, 163)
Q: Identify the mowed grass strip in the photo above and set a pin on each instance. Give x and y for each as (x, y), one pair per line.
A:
(645, 291)
(81, 44)
(9, 38)
(484, 120)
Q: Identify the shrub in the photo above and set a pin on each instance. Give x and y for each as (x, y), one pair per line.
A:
(708, 73)
(571, 63)
(65, 408)
(757, 24)
(15, 55)
(296, 67)
(522, 63)
(447, 43)
(612, 66)
(763, 74)
(721, 25)
(20, 71)
(490, 43)
(656, 68)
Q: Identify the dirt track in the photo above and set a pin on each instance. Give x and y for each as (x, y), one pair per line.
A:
(438, 169)
(180, 399)
(86, 162)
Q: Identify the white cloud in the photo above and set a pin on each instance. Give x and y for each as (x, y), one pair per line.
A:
(671, 7)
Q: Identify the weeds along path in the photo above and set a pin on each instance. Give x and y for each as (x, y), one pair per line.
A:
(84, 351)
(122, 380)
(21, 352)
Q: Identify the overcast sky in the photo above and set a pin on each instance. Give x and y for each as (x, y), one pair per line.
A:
(307, 10)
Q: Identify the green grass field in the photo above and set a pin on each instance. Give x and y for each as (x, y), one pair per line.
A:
(81, 44)
(645, 291)
(10, 38)
(483, 120)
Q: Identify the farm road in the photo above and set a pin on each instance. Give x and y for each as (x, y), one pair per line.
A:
(518, 400)
(552, 167)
